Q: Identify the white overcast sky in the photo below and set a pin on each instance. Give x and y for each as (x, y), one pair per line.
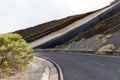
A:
(20, 14)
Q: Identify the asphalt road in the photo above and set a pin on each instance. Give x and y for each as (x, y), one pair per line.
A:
(76, 66)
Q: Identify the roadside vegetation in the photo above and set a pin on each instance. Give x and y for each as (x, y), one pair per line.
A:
(103, 37)
(14, 54)
(107, 26)
(107, 48)
(95, 38)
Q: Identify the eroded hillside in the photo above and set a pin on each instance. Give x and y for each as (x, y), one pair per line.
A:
(106, 33)
(33, 33)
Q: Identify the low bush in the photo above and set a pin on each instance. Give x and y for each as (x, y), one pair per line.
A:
(103, 37)
(107, 48)
(14, 53)
(99, 36)
(108, 36)
(104, 40)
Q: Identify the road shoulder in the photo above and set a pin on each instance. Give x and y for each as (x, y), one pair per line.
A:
(39, 69)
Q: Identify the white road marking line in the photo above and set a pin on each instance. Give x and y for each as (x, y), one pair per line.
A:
(99, 64)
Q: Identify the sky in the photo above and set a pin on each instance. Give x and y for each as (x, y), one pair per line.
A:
(21, 14)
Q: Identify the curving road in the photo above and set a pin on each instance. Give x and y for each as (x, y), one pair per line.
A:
(77, 66)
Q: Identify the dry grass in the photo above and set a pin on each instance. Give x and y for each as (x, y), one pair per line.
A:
(109, 47)
(103, 37)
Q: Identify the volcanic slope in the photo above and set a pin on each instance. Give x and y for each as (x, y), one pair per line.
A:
(105, 34)
(32, 33)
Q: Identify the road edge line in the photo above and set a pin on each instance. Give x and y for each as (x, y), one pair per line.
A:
(59, 70)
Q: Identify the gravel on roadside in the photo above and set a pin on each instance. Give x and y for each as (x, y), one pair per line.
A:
(39, 69)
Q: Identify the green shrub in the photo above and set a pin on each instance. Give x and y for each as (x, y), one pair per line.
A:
(14, 53)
